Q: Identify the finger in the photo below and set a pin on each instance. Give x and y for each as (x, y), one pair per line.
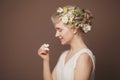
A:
(42, 52)
(43, 49)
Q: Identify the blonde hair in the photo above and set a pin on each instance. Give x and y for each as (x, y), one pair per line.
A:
(74, 16)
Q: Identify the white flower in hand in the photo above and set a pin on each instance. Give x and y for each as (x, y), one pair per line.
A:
(46, 47)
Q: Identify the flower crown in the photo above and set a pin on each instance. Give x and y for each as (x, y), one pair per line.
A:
(75, 17)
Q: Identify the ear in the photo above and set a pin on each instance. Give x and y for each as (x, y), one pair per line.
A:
(75, 30)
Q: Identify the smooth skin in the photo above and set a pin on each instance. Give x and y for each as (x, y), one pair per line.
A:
(73, 38)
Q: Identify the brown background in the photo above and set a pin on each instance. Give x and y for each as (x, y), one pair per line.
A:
(26, 24)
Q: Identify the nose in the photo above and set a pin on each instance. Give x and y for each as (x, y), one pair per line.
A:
(56, 34)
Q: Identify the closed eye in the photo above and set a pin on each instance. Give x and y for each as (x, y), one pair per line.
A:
(58, 29)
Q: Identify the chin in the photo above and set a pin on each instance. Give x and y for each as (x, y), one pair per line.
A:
(63, 43)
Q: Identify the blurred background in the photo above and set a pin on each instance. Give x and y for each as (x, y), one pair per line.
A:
(25, 25)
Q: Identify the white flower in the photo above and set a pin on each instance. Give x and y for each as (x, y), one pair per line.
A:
(60, 10)
(71, 19)
(64, 19)
(70, 15)
(46, 47)
(86, 28)
(81, 25)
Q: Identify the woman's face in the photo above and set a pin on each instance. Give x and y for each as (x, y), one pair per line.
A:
(64, 33)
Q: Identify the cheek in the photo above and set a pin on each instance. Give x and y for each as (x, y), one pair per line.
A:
(67, 34)
(64, 33)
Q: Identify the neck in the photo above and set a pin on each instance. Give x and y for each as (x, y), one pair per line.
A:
(77, 44)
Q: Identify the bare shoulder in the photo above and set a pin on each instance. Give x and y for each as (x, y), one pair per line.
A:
(84, 58)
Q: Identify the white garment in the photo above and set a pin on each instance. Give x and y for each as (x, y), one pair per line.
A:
(65, 71)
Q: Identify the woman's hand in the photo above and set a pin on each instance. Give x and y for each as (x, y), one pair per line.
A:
(43, 52)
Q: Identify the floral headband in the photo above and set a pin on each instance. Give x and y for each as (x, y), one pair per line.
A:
(76, 18)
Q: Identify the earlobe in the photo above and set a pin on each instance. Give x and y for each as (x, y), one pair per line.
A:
(75, 30)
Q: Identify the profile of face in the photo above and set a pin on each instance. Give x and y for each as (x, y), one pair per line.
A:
(64, 33)
(70, 20)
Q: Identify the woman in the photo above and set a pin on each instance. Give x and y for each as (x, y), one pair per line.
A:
(78, 62)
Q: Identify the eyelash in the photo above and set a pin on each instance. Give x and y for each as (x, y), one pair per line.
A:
(60, 30)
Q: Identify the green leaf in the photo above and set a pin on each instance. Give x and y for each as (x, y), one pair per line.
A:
(65, 10)
(76, 13)
(81, 17)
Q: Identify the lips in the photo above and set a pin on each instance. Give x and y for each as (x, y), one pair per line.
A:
(60, 38)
